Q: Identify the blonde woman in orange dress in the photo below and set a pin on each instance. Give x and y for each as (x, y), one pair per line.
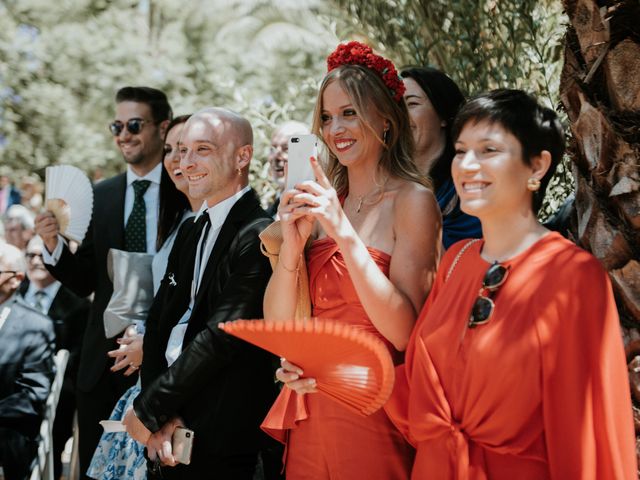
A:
(516, 367)
(376, 226)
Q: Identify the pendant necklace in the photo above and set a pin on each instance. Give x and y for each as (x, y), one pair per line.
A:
(361, 198)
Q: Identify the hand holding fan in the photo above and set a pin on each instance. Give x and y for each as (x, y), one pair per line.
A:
(350, 365)
(70, 198)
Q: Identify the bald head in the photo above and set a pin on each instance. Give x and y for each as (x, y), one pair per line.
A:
(290, 128)
(236, 127)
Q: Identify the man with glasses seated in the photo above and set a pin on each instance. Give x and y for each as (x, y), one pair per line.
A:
(68, 314)
(26, 369)
(125, 217)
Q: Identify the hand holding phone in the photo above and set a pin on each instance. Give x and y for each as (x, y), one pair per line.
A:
(301, 149)
(182, 444)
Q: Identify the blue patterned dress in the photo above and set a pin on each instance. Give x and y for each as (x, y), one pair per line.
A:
(118, 456)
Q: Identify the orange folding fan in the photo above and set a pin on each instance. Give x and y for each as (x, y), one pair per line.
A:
(350, 365)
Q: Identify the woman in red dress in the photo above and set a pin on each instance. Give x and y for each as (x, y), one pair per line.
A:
(376, 226)
(516, 367)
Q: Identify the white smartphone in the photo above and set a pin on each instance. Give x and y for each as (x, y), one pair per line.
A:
(182, 444)
(301, 149)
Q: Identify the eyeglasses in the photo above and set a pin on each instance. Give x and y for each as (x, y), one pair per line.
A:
(282, 149)
(12, 272)
(484, 305)
(30, 256)
(133, 126)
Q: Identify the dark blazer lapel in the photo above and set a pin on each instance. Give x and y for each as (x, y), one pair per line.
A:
(243, 207)
(62, 303)
(115, 214)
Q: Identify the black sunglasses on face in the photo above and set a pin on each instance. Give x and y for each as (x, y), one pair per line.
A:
(133, 126)
(31, 256)
(484, 305)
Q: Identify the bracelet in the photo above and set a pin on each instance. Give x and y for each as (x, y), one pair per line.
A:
(295, 270)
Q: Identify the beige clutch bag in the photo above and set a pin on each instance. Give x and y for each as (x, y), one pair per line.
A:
(271, 238)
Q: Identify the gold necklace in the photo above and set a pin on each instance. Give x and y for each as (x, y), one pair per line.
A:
(361, 198)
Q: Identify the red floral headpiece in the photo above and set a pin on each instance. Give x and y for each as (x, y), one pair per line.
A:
(356, 53)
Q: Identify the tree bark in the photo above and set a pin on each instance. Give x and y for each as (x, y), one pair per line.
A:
(600, 91)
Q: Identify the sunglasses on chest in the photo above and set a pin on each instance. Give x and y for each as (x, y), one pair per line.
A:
(484, 305)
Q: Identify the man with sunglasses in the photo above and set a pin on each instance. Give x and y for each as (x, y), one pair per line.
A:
(26, 369)
(125, 217)
(68, 313)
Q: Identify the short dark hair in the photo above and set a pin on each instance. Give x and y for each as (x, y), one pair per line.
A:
(536, 127)
(156, 99)
(446, 98)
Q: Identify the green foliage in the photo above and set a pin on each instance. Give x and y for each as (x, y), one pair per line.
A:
(481, 44)
(62, 63)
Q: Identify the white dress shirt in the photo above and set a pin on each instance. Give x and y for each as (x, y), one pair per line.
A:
(152, 205)
(217, 214)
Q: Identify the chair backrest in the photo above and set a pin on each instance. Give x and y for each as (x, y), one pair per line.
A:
(43, 468)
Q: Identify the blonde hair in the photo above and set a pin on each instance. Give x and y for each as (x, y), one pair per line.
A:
(369, 95)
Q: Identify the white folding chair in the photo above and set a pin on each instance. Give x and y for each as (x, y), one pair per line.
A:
(43, 469)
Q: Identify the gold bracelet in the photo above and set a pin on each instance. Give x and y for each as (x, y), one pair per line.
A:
(295, 270)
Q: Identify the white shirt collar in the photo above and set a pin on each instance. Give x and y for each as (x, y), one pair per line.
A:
(218, 213)
(154, 175)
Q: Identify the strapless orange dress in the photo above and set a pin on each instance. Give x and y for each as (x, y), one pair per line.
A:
(324, 439)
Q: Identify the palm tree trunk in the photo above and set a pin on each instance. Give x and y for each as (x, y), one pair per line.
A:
(600, 90)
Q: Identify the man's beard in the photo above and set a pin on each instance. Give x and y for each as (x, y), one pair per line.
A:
(134, 159)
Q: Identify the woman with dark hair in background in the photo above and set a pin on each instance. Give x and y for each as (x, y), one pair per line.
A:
(118, 456)
(433, 100)
(516, 367)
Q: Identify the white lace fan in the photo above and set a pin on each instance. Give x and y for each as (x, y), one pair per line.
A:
(70, 198)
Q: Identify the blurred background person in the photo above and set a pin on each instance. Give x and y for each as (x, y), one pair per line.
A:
(9, 194)
(375, 226)
(433, 100)
(516, 368)
(26, 369)
(19, 226)
(31, 189)
(279, 155)
(69, 314)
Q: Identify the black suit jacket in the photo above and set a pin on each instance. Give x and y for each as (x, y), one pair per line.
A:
(69, 314)
(85, 272)
(26, 367)
(221, 386)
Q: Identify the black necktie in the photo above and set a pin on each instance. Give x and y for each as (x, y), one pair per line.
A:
(203, 225)
(135, 233)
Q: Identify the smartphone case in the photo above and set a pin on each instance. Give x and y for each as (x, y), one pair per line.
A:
(182, 444)
(301, 149)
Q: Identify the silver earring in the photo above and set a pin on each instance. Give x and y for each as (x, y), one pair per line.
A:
(385, 136)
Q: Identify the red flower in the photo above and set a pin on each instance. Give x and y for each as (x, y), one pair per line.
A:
(356, 53)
